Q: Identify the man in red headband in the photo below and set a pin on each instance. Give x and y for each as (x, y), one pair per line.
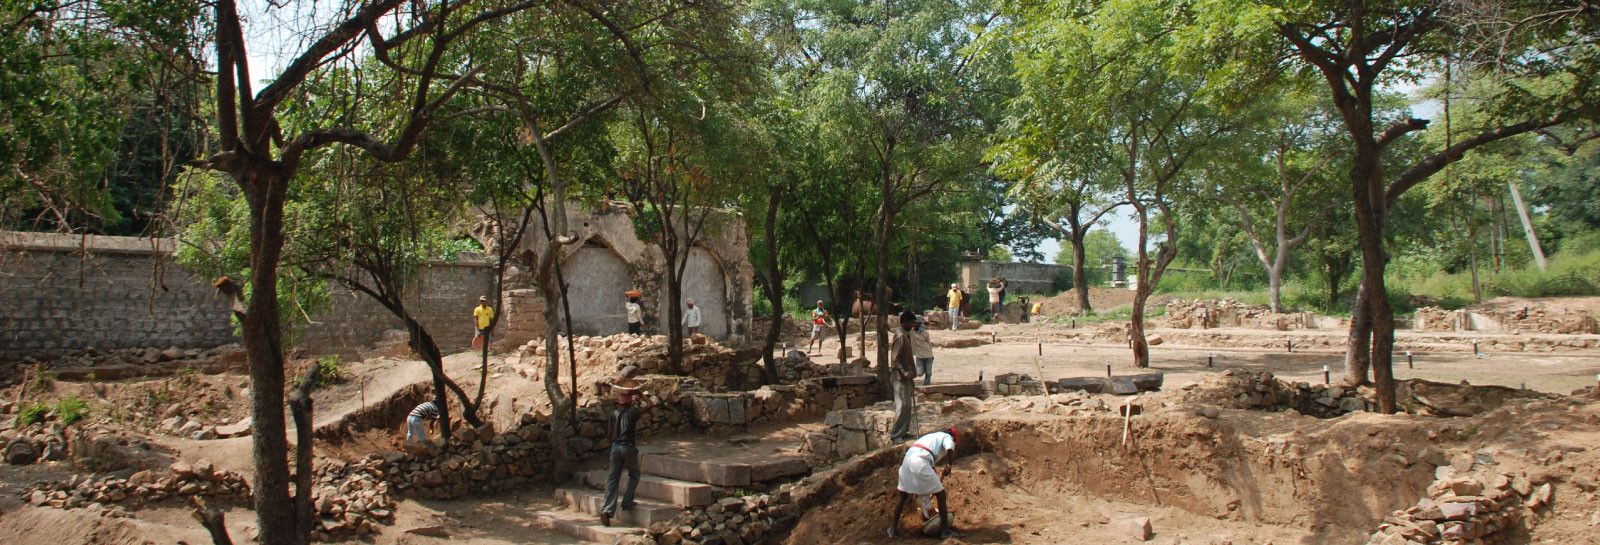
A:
(918, 478)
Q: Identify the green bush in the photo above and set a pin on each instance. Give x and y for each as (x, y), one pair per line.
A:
(71, 410)
(32, 413)
(332, 370)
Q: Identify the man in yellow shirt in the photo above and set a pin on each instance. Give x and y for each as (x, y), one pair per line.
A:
(955, 306)
(483, 315)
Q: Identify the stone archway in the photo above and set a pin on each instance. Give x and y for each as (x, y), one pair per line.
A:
(706, 283)
(596, 279)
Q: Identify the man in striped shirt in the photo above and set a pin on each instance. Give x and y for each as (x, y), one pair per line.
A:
(415, 429)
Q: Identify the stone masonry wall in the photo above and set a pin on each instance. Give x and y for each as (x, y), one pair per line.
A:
(442, 298)
(63, 293)
(1020, 278)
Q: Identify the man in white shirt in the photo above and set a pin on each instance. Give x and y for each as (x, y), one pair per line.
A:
(691, 318)
(635, 316)
(918, 478)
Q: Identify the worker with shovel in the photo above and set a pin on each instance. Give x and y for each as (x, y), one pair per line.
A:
(918, 478)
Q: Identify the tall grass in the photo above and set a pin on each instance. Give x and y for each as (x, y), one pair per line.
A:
(1568, 273)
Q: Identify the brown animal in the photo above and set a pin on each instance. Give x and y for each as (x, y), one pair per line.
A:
(864, 306)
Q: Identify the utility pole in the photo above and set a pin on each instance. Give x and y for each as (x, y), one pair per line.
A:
(1522, 212)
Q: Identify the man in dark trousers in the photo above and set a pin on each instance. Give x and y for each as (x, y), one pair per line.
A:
(902, 364)
(624, 453)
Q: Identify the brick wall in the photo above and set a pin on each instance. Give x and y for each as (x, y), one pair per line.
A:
(63, 293)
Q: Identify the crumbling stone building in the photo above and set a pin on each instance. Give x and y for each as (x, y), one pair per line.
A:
(610, 258)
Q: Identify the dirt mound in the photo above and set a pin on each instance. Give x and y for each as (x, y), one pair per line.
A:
(1066, 303)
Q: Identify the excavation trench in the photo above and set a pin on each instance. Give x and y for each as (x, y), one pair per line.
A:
(1051, 479)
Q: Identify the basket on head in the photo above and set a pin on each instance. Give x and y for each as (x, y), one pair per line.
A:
(633, 293)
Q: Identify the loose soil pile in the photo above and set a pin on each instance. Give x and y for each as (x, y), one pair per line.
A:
(1066, 303)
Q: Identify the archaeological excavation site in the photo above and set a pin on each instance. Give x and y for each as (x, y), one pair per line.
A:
(126, 419)
(799, 272)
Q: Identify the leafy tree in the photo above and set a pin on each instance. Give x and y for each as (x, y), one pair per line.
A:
(1545, 58)
(1126, 96)
(1100, 246)
(1274, 178)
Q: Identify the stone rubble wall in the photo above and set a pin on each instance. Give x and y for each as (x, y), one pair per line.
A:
(1213, 313)
(1528, 319)
(857, 431)
(1468, 503)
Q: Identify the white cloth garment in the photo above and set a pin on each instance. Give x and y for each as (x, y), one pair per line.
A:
(917, 475)
(691, 317)
(633, 313)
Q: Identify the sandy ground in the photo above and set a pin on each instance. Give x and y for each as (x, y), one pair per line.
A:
(1039, 509)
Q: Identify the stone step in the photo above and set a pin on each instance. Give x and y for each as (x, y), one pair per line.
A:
(582, 526)
(672, 491)
(643, 514)
(720, 473)
(958, 389)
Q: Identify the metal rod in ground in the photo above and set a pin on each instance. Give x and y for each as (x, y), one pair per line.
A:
(1108, 369)
(1409, 363)
(1288, 345)
(1211, 359)
(1041, 346)
(1327, 378)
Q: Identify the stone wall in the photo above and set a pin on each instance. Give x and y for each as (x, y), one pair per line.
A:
(1020, 278)
(63, 293)
(441, 298)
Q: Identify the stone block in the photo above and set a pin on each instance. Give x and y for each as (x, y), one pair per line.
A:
(851, 443)
(959, 389)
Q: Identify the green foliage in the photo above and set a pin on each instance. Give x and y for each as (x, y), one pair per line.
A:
(32, 413)
(331, 370)
(71, 409)
(999, 254)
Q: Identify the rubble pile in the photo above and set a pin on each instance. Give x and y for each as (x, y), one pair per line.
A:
(1261, 391)
(1526, 319)
(180, 480)
(1466, 505)
(135, 362)
(1011, 384)
(853, 432)
(733, 520)
(349, 499)
(712, 364)
(1226, 312)
(89, 446)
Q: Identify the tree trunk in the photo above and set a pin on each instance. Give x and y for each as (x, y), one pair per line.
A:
(262, 337)
(1472, 252)
(774, 286)
(1136, 340)
(1080, 277)
(1368, 189)
(552, 367)
(1274, 288)
(1357, 354)
(880, 297)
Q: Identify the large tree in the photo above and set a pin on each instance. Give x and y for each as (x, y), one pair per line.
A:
(1124, 96)
(896, 85)
(1545, 61)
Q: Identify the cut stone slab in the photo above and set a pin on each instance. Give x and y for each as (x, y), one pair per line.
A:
(643, 514)
(1123, 386)
(672, 491)
(777, 469)
(959, 389)
(1091, 385)
(851, 380)
(236, 429)
(709, 472)
(1148, 381)
(582, 526)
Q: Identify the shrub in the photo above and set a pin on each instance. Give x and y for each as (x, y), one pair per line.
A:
(332, 370)
(32, 413)
(71, 410)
